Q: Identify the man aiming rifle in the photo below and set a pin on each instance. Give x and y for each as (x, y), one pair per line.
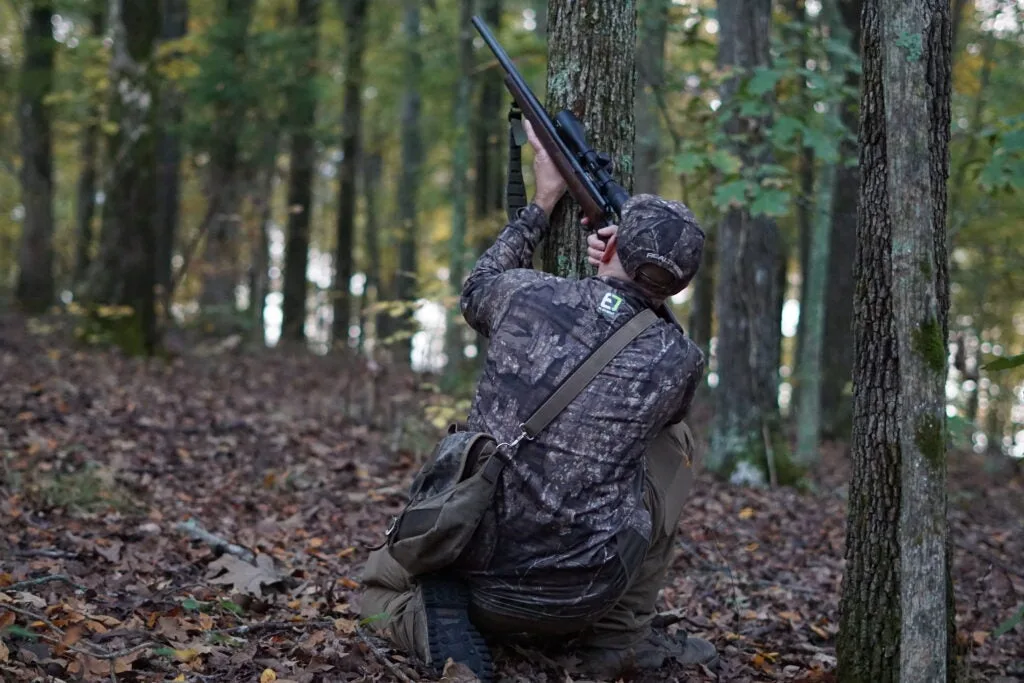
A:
(554, 514)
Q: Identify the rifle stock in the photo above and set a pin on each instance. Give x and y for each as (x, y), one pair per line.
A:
(598, 195)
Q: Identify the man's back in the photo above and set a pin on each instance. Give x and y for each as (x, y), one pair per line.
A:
(567, 495)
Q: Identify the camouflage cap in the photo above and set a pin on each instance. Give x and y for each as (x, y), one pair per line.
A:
(662, 233)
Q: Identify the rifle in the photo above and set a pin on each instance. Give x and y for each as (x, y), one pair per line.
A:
(585, 170)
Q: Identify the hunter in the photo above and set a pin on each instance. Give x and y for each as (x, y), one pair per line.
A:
(581, 532)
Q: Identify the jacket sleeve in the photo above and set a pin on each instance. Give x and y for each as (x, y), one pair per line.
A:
(692, 373)
(503, 269)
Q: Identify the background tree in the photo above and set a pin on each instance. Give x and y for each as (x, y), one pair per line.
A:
(652, 29)
(90, 152)
(896, 604)
(35, 260)
(591, 72)
(746, 426)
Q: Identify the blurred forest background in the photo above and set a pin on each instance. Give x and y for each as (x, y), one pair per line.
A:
(289, 172)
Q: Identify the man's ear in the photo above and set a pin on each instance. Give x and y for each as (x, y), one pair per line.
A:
(609, 249)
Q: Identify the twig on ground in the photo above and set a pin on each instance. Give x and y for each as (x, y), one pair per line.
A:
(89, 652)
(51, 553)
(382, 656)
(41, 580)
(272, 626)
(192, 529)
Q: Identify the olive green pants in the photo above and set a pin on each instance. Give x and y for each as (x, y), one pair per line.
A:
(393, 606)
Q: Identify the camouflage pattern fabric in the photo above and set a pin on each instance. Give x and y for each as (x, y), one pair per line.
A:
(549, 548)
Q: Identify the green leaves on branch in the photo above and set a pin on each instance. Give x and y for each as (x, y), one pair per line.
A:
(1003, 167)
(1005, 363)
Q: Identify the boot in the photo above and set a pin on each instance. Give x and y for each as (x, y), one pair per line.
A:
(653, 652)
(450, 633)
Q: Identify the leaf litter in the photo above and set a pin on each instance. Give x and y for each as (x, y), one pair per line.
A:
(292, 464)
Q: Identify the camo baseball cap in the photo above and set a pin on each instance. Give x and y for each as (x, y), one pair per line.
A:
(663, 233)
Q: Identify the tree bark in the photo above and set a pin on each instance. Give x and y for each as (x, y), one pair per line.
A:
(85, 201)
(372, 294)
(837, 351)
(591, 72)
(300, 186)
(35, 288)
(460, 198)
(175, 26)
(652, 29)
(351, 142)
(409, 179)
(124, 273)
(897, 600)
(746, 440)
(222, 270)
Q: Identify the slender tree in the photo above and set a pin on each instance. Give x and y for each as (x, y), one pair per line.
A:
(302, 97)
(123, 273)
(174, 26)
(652, 28)
(591, 72)
(489, 137)
(85, 200)
(372, 294)
(354, 14)
(837, 351)
(746, 427)
(35, 289)
(409, 178)
(897, 601)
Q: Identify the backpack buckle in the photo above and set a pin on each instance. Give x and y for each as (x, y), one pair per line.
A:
(515, 442)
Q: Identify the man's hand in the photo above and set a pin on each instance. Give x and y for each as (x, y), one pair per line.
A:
(550, 184)
(596, 242)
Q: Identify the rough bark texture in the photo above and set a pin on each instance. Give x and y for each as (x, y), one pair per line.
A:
(175, 25)
(85, 192)
(351, 142)
(896, 602)
(300, 182)
(652, 27)
(746, 442)
(35, 288)
(591, 72)
(837, 351)
(409, 179)
(123, 274)
(222, 270)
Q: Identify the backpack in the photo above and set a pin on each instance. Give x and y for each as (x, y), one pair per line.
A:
(455, 487)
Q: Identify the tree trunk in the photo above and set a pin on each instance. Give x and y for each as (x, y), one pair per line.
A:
(409, 179)
(837, 351)
(460, 198)
(897, 600)
(351, 141)
(542, 8)
(123, 274)
(262, 203)
(650, 66)
(372, 164)
(175, 26)
(85, 202)
(35, 289)
(805, 196)
(300, 186)
(222, 270)
(746, 436)
(591, 72)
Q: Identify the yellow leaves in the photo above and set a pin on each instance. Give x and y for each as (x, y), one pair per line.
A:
(761, 660)
(348, 583)
(109, 128)
(820, 632)
(746, 513)
(790, 616)
(268, 676)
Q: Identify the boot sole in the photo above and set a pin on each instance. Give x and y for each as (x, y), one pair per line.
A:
(450, 633)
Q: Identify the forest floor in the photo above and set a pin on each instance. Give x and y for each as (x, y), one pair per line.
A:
(302, 460)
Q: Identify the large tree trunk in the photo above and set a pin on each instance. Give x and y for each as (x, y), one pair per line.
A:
(897, 600)
(409, 179)
(650, 66)
(454, 329)
(351, 142)
(222, 271)
(85, 195)
(175, 25)
(837, 351)
(746, 428)
(35, 289)
(123, 274)
(302, 102)
(591, 72)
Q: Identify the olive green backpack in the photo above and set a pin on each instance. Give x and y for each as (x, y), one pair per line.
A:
(456, 486)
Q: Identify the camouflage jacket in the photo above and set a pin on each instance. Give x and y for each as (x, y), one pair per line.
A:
(564, 496)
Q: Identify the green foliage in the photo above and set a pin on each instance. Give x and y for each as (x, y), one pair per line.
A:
(1005, 363)
(1009, 624)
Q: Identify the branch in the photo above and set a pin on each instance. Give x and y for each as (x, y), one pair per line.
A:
(273, 626)
(192, 529)
(41, 580)
(382, 657)
(89, 652)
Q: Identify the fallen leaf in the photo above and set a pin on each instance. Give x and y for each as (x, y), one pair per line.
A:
(746, 513)
(979, 637)
(268, 676)
(345, 626)
(4, 652)
(245, 577)
(457, 672)
(791, 616)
